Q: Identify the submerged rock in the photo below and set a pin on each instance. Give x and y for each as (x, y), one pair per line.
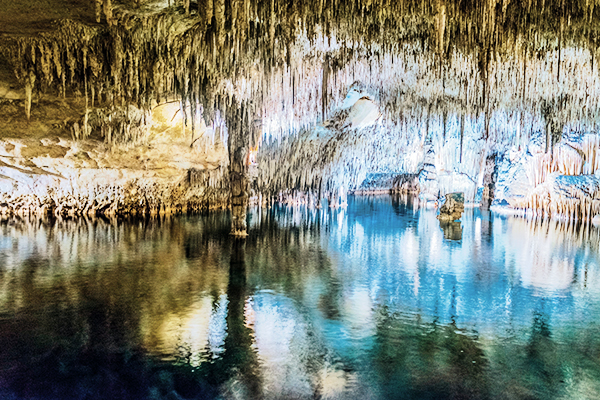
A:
(453, 207)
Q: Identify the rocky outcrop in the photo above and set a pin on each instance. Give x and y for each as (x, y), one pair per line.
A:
(574, 197)
(452, 208)
(69, 179)
(560, 184)
(406, 183)
(51, 172)
(377, 183)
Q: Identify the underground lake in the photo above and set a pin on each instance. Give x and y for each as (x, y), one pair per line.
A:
(378, 300)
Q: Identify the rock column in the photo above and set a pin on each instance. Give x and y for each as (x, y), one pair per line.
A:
(238, 144)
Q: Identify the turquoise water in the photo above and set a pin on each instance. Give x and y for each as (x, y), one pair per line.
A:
(377, 301)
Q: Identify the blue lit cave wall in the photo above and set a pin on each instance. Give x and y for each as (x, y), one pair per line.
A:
(129, 107)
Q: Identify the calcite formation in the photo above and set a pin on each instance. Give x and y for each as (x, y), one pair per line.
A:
(561, 183)
(452, 207)
(163, 172)
(323, 94)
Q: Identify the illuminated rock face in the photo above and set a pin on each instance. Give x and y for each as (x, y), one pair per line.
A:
(335, 91)
(45, 174)
(453, 207)
(561, 183)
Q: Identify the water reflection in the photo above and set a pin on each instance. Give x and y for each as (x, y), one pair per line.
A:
(240, 358)
(373, 302)
(452, 229)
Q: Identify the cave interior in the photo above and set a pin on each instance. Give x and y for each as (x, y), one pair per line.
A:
(159, 106)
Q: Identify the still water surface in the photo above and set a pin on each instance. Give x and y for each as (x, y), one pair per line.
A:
(373, 302)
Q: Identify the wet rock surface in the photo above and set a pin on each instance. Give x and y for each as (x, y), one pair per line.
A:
(453, 207)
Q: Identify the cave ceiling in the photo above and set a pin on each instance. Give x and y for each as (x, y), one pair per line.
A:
(282, 66)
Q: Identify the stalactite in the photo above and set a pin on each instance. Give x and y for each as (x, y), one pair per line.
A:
(324, 89)
(389, 47)
(560, 37)
(98, 4)
(219, 13)
(548, 136)
(108, 12)
(462, 134)
(444, 123)
(205, 11)
(29, 85)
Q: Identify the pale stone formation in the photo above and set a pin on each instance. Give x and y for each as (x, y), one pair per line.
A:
(453, 207)
(132, 169)
(562, 183)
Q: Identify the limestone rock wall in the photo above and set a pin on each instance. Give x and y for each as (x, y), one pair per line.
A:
(562, 183)
(165, 171)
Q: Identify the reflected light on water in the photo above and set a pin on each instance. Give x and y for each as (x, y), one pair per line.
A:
(377, 301)
(546, 252)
